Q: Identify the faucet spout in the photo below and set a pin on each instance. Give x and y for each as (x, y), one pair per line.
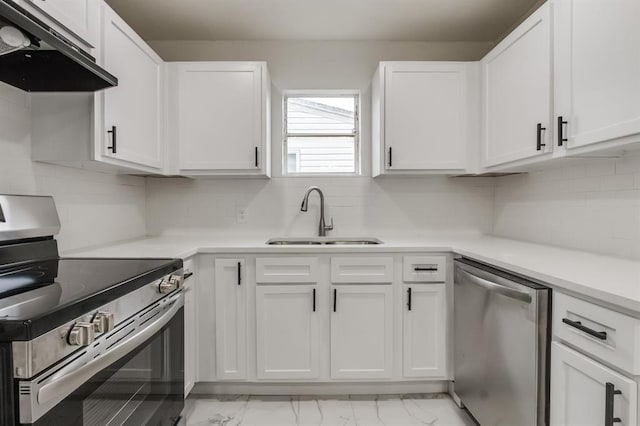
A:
(322, 227)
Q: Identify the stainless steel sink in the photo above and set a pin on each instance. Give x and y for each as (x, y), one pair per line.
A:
(323, 241)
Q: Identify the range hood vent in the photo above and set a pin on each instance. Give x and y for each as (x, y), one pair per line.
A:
(36, 58)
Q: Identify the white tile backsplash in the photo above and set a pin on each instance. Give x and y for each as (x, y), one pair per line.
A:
(94, 208)
(359, 206)
(591, 205)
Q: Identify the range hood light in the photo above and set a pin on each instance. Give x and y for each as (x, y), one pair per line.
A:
(12, 39)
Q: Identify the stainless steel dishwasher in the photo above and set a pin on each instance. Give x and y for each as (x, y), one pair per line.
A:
(502, 338)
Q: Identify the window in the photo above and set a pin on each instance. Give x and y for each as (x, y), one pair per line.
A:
(321, 133)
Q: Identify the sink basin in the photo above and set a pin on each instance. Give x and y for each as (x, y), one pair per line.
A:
(323, 241)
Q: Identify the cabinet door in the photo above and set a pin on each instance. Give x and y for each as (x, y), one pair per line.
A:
(425, 331)
(579, 394)
(288, 324)
(222, 115)
(80, 17)
(190, 345)
(597, 69)
(425, 116)
(361, 332)
(132, 110)
(517, 89)
(231, 319)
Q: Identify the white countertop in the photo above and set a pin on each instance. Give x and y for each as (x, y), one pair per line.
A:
(611, 280)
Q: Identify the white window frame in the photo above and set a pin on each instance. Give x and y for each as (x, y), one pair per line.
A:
(320, 94)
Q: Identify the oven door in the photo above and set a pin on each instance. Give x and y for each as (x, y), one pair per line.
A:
(133, 376)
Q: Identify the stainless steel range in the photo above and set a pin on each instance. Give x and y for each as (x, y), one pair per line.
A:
(84, 341)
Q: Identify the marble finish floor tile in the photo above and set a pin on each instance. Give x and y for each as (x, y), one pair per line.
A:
(384, 410)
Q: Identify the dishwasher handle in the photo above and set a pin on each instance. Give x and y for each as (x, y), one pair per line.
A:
(497, 288)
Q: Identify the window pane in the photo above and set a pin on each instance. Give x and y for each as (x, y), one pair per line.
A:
(321, 154)
(321, 115)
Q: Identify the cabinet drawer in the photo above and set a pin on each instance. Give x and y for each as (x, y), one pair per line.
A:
(362, 270)
(426, 269)
(603, 333)
(285, 270)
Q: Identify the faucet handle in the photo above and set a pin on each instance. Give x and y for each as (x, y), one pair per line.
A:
(329, 227)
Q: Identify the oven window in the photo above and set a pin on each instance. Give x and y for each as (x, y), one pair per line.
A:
(144, 387)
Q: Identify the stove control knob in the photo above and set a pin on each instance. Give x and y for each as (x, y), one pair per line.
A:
(176, 280)
(166, 286)
(81, 334)
(103, 322)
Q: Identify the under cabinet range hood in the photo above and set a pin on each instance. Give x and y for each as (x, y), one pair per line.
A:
(36, 58)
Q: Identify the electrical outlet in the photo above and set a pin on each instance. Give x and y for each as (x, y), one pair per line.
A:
(241, 214)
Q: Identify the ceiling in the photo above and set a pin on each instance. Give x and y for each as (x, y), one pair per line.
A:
(389, 20)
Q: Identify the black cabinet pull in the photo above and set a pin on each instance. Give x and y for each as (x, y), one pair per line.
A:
(256, 152)
(409, 298)
(539, 143)
(610, 393)
(390, 156)
(602, 335)
(187, 275)
(429, 269)
(314, 300)
(561, 138)
(335, 299)
(239, 273)
(112, 148)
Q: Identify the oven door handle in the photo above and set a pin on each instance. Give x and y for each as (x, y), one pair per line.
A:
(60, 387)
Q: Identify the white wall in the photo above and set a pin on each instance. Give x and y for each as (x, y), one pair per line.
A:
(358, 205)
(94, 208)
(591, 205)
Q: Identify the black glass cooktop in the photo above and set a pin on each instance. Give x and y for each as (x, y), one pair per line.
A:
(39, 296)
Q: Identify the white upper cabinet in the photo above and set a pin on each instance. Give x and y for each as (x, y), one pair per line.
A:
(517, 93)
(597, 64)
(78, 17)
(424, 116)
(132, 127)
(219, 117)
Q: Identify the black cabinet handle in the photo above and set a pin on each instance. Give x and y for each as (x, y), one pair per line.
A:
(561, 138)
(256, 153)
(611, 392)
(187, 275)
(390, 156)
(539, 143)
(239, 273)
(112, 148)
(429, 269)
(602, 335)
(409, 298)
(335, 299)
(314, 300)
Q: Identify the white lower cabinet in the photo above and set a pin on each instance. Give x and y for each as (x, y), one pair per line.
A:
(231, 319)
(190, 354)
(585, 392)
(287, 332)
(362, 332)
(424, 331)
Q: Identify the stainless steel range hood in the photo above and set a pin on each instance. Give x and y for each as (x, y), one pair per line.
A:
(36, 58)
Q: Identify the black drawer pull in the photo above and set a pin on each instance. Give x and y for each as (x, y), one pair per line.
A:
(409, 298)
(561, 138)
(430, 269)
(187, 275)
(610, 392)
(239, 273)
(602, 335)
(539, 143)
